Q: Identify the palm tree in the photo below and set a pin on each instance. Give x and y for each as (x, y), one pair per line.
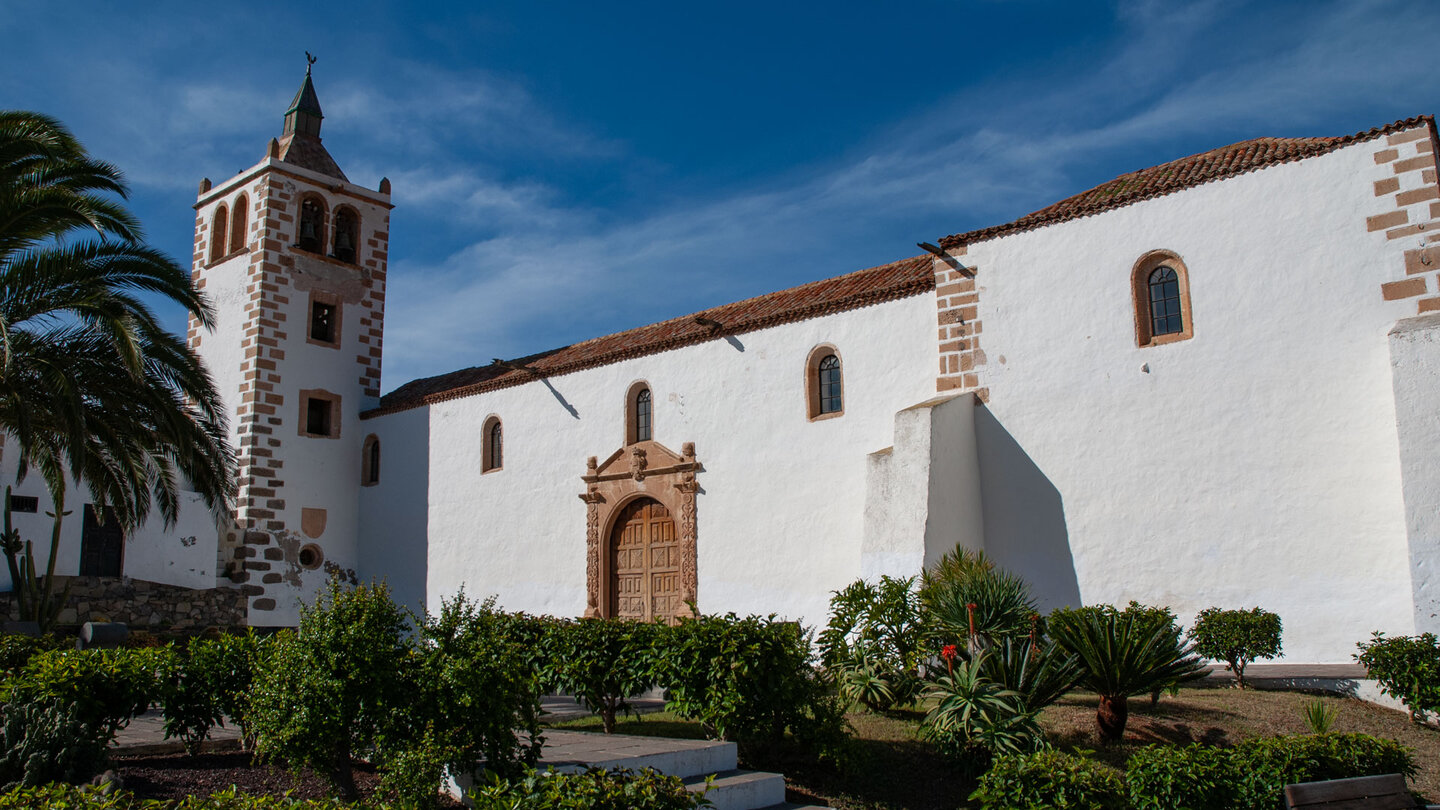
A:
(1122, 654)
(91, 385)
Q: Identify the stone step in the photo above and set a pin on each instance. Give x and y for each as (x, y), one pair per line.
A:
(576, 751)
(741, 790)
(790, 806)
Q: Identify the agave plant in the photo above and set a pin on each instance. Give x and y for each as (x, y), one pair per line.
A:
(974, 716)
(965, 591)
(1038, 672)
(1123, 654)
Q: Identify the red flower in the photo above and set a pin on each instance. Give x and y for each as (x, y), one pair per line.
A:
(948, 652)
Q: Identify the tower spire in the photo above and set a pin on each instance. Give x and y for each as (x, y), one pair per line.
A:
(304, 115)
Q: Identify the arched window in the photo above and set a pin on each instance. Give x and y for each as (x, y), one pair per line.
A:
(830, 384)
(1161, 288)
(493, 449)
(370, 461)
(824, 386)
(238, 223)
(639, 414)
(217, 233)
(311, 235)
(347, 234)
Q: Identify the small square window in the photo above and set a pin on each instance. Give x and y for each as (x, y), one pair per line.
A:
(322, 322)
(24, 503)
(317, 417)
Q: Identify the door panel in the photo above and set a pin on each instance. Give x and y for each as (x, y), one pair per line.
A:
(645, 563)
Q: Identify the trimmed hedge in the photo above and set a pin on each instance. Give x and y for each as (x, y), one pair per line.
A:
(1050, 779)
(1253, 774)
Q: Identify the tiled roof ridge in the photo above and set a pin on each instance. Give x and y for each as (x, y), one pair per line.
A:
(1095, 200)
(876, 285)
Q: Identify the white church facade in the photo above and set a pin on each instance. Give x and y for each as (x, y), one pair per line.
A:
(1211, 382)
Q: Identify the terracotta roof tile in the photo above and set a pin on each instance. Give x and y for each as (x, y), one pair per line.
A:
(876, 285)
(308, 153)
(1157, 181)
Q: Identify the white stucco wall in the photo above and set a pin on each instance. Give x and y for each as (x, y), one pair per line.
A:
(780, 509)
(394, 512)
(922, 495)
(183, 554)
(1254, 464)
(1415, 364)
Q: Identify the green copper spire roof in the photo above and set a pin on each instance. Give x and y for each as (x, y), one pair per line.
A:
(304, 115)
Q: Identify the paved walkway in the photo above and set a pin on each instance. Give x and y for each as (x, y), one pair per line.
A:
(1293, 672)
(145, 736)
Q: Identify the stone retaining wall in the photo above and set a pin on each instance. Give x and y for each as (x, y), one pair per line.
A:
(142, 604)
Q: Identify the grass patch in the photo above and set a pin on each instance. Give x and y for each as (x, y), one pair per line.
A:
(892, 768)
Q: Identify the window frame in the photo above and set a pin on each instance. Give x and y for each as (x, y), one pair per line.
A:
(492, 454)
(239, 221)
(370, 461)
(325, 299)
(335, 220)
(320, 227)
(219, 228)
(1141, 302)
(632, 412)
(814, 389)
(319, 394)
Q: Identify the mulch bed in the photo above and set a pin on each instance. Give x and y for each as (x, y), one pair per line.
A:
(175, 776)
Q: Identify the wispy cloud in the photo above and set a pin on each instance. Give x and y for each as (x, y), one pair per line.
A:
(562, 273)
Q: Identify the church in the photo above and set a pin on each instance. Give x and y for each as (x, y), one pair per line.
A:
(1213, 382)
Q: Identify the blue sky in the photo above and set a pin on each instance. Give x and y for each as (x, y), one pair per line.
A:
(564, 170)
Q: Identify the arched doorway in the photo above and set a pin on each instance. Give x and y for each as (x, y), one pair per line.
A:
(644, 562)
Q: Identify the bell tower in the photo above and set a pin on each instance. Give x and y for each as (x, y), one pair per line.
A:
(293, 257)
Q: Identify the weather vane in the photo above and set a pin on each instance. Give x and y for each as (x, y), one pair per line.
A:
(309, 62)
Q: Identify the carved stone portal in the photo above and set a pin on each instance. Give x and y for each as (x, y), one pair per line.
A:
(645, 469)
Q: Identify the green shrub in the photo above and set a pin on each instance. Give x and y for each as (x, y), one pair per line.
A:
(1253, 774)
(1196, 777)
(107, 687)
(595, 789)
(604, 661)
(1275, 762)
(1002, 600)
(1236, 637)
(536, 638)
(69, 797)
(873, 642)
(478, 699)
(1407, 668)
(750, 680)
(974, 719)
(48, 742)
(209, 680)
(1123, 653)
(338, 685)
(1050, 779)
(16, 650)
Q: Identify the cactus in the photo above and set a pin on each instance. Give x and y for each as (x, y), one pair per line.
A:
(34, 596)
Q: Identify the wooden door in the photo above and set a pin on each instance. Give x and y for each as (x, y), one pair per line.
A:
(102, 545)
(644, 563)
